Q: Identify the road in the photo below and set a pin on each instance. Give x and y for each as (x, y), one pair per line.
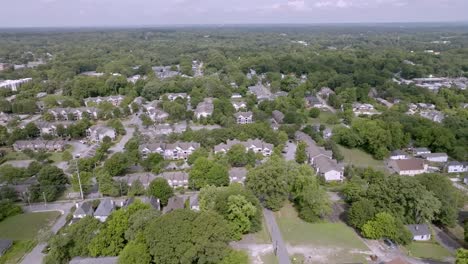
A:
(36, 255)
(119, 147)
(279, 247)
(290, 151)
(445, 240)
(324, 102)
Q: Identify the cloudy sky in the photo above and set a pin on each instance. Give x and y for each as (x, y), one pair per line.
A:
(62, 13)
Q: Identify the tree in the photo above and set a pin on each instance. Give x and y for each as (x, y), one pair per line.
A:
(185, 236)
(385, 225)
(360, 213)
(236, 156)
(8, 208)
(86, 181)
(269, 182)
(153, 160)
(52, 182)
(8, 193)
(239, 213)
(446, 193)
(462, 256)
(134, 253)
(207, 172)
(136, 189)
(160, 189)
(117, 164)
(314, 112)
(301, 155)
(67, 156)
(139, 221)
(111, 238)
(198, 153)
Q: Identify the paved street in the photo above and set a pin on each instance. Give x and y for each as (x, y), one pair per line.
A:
(445, 240)
(279, 247)
(119, 147)
(290, 151)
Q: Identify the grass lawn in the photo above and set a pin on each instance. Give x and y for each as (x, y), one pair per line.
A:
(56, 157)
(17, 251)
(360, 158)
(323, 117)
(16, 156)
(322, 242)
(26, 226)
(428, 250)
(269, 258)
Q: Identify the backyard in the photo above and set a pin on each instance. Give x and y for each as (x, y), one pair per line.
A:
(26, 226)
(428, 250)
(320, 242)
(360, 158)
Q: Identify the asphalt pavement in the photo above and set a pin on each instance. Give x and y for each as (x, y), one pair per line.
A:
(279, 247)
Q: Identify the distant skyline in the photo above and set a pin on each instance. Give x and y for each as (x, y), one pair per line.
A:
(95, 13)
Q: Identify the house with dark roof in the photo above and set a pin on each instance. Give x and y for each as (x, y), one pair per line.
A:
(174, 203)
(313, 101)
(105, 208)
(457, 167)
(82, 210)
(420, 232)
(408, 167)
(398, 155)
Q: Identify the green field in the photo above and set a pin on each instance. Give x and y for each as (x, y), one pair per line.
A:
(334, 242)
(428, 250)
(17, 251)
(323, 117)
(262, 236)
(360, 158)
(26, 226)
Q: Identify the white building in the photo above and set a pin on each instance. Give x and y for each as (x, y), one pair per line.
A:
(420, 232)
(409, 167)
(456, 167)
(435, 157)
(244, 117)
(97, 133)
(14, 84)
(204, 109)
(398, 155)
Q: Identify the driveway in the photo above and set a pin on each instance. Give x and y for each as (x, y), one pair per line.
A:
(119, 147)
(324, 102)
(290, 151)
(445, 240)
(279, 247)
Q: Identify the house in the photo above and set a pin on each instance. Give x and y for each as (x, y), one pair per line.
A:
(82, 210)
(325, 92)
(176, 179)
(456, 167)
(421, 232)
(151, 201)
(364, 109)
(50, 128)
(256, 145)
(39, 144)
(420, 151)
(157, 115)
(163, 129)
(408, 167)
(73, 113)
(97, 133)
(170, 151)
(14, 84)
(277, 116)
(244, 117)
(105, 208)
(261, 92)
(5, 244)
(145, 178)
(164, 72)
(204, 109)
(239, 105)
(193, 202)
(398, 155)
(313, 101)
(174, 96)
(328, 168)
(435, 157)
(114, 100)
(433, 115)
(174, 203)
(237, 175)
(327, 133)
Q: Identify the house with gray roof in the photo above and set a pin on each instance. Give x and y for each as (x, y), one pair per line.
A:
(435, 157)
(261, 92)
(97, 133)
(237, 175)
(105, 208)
(238, 105)
(82, 210)
(176, 179)
(420, 151)
(256, 145)
(457, 167)
(244, 117)
(193, 202)
(164, 72)
(420, 232)
(328, 168)
(145, 178)
(278, 116)
(170, 151)
(205, 108)
(398, 155)
(39, 145)
(174, 203)
(74, 113)
(115, 100)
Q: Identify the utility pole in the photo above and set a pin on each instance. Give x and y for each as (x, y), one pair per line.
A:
(45, 200)
(79, 179)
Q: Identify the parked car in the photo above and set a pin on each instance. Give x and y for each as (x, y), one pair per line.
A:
(390, 244)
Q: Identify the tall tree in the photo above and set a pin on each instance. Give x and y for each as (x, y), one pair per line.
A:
(160, 189)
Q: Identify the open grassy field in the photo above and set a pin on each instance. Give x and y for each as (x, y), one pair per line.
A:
(320, 242)
(360, 158)
(323, 117)
(263, 236)
(26, 226)
(428, 250)
(17, 251)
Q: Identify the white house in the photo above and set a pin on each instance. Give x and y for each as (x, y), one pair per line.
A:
(244, 117)
(239, 105)
(420, 151)
(456, 167)
(256, 145)
(408, 167)
(328, 168)
(97, 133)
(398, 155)
(420, 232)
(204, 109)
(435, 157)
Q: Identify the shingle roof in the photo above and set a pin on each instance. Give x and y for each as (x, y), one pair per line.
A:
(105, 208)
(419, 230)
(84, 209)
(325, 164)
(174, 203)
(410, 164)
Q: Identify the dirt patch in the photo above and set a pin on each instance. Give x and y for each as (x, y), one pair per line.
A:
(322, 254)
(255, 251)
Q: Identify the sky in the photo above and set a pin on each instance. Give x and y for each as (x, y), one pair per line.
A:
(86, 13)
